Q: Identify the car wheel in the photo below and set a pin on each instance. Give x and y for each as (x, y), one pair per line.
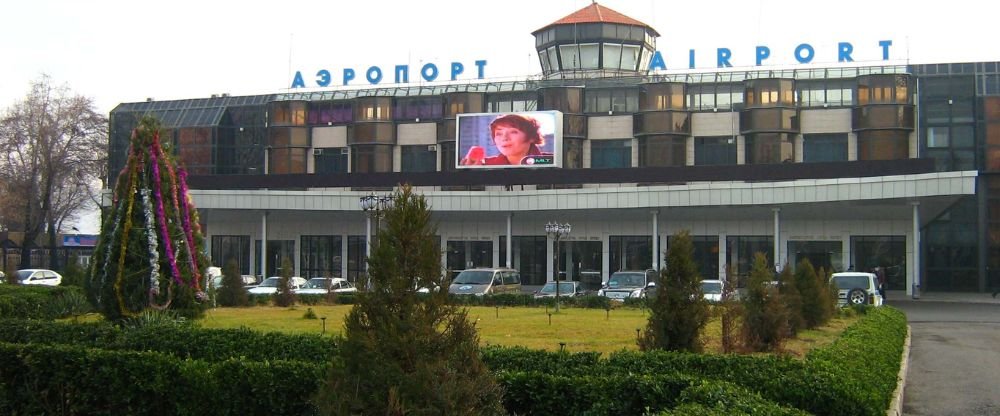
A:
(857, 297)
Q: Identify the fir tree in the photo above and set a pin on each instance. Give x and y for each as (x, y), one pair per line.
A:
(403, 353)
(283, 296)
(232, 292)
(789, 291)
(679, 311)
(765, 324)
(151, 251)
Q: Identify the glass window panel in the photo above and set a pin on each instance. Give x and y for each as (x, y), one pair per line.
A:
(610, 153)
(570, 57)
(543, 56)
(937, 137)
(553, 59)
(630, 57)
(824, 147)
(962, 136)
(662, 151)
(720, 150)
(418, 158)
(612, 56)
(590, 54)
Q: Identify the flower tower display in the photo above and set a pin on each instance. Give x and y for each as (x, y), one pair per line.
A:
(151, 250)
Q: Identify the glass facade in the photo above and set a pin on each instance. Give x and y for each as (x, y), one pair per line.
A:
(226, 248)
(949, 113)
(630, 252)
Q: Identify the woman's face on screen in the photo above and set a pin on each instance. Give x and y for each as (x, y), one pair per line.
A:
(511, 140)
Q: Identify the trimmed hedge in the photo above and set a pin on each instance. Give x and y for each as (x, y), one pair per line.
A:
(230, 372)
(75, 380)
(177, 340)
(41, 302)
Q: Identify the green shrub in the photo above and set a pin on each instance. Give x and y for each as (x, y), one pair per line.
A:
(790, 296)
(232, 292)
(310, 314)
(765, 322)
(679, 311)
(720, 398)
(284, 297)
(41, 302)
(41, 379)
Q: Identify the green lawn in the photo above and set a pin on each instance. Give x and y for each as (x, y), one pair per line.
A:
(579, 328)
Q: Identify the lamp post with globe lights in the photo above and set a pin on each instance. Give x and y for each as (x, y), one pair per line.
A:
(557, 231)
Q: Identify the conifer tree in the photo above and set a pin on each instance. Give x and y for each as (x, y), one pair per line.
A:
(679, 311)
(765, 324)
(790, 296)
(283, 296)
(232, 292)
(151, 250)
(403, 353)
(814, 297)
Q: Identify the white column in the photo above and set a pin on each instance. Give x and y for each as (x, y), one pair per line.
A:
(915, 290)
(549, 257)
(777, 238)
(263, 246)
(656, 240)
(510, 254)
(368, 240)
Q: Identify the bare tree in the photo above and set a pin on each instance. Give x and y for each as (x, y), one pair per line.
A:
(53, 148)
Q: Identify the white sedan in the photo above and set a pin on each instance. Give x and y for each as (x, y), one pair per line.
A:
(38, 277)
(324, 285)
(270, 285)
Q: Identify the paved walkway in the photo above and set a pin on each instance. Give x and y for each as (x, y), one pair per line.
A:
(962, 297)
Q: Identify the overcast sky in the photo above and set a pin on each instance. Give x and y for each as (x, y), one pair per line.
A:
(125, 51)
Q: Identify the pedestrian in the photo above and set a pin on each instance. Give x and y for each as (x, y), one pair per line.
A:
(880, 274)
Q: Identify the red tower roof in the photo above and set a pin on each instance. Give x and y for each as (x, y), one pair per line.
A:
(595, 13)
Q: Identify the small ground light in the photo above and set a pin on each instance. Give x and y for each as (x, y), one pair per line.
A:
(607, 313)
(498, 311)
(550, 319)
(323, 318)
(637, 334)
(562, 345)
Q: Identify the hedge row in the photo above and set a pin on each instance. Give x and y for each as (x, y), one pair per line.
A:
(41, 302)
(854, 376)
(182, 341)
(74, 380)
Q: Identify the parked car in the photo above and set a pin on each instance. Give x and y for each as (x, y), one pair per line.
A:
(38, 277)
(857, 288)
(483, 281)
(326, 285)
(711, 289)
(249, 281)
(270, 285)
(626, 284)
(566, 289)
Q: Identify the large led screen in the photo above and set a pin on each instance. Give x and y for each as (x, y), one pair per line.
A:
(531, 139)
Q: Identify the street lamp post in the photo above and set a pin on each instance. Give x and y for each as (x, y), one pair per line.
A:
(557, 231)
(374, 207)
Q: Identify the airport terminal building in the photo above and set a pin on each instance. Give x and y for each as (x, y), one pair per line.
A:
(895, 166)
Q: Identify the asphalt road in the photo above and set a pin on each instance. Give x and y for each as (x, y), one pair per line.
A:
(954, 364)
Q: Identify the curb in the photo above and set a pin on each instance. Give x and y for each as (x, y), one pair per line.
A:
(896, 406)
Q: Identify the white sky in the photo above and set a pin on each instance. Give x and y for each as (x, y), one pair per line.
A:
(124, 51)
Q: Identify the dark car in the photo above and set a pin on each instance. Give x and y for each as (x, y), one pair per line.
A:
(627, 284)
(566, 289)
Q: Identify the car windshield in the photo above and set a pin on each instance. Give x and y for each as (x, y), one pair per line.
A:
(627, 280)
(564, 287)
(474, 277)
(851, 282)
(712, 288)
(271, 282)
(23, 274)
(317, 283)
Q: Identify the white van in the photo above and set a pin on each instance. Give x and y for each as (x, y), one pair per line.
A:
(486, 281)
